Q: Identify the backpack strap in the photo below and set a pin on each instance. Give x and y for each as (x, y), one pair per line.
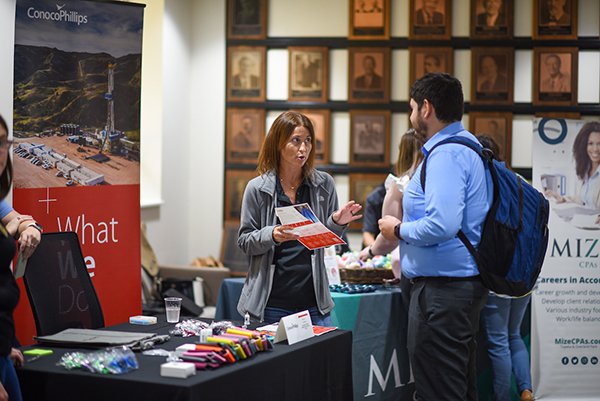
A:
(485, 157)
(454, 139)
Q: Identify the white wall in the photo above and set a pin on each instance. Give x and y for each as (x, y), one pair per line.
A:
(189, 221)
(7, 43)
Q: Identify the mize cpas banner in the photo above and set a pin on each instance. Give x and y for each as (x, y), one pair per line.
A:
(565, 340)
(77, 141)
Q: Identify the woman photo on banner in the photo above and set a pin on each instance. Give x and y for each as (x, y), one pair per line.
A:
(284, 277)
(586, 152)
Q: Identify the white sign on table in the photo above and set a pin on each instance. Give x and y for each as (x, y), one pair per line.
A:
(295, 328)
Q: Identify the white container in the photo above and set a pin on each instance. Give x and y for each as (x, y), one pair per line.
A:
(198, 287)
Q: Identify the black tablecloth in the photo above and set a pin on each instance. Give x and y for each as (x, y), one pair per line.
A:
(319, 368)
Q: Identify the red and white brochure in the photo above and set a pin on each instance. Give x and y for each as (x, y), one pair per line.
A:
(313, 234)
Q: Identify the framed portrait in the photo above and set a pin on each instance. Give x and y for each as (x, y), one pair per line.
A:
(320, 119)
(246, 19)
(244, 134)
(369, 75)
(555, 76)
(361, 185)
(555, 19)
(492, 79)
(308, 74)
(370, 138)
(369, 19)
(235, 184)
(246, 68)
(231, 254)
(492, 19)
(425, 60)
(497, 126)
(430, 19)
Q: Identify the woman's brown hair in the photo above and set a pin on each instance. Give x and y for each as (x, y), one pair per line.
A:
(6, 176)
(582, 160)
(409, 145)
(278, 136)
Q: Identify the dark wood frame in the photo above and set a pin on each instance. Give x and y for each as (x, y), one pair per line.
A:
(247, 31)
(417, 57)
(255, 94)
(356, 181)
(498, 31)
(322, 133)
(233, 183)
(373, 32)
(367, 159)
(419, 30)
(237, 153)
(504, 59)
(311, 95)
(554, 98)
(543, 30)
(231, 254)
(506, 141)
(360, 95)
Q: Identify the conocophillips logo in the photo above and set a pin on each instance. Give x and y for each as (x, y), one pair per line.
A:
(59, 15)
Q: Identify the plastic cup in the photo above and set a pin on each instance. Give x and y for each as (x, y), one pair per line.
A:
(173, 308)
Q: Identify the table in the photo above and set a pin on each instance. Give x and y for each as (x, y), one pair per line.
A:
(380, 367)
(315, 369)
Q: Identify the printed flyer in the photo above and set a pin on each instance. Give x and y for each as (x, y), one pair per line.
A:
(313, 234)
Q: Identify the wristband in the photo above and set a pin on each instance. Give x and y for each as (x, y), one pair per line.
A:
(397, 231)
(36, 226)
(371, 253)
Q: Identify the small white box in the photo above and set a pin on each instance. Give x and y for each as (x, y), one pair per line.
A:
(184, 348)
(143, 320)
(180, 370)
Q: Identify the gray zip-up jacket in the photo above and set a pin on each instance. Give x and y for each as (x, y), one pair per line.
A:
(256, 239)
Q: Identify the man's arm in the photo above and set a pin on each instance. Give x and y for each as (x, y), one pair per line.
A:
(444, 199)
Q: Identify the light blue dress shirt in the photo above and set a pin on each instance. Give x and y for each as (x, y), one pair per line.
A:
(458, 195)
(5, 209)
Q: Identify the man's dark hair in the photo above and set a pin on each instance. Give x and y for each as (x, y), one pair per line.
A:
(444, 92)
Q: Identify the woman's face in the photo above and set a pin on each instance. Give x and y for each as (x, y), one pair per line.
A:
(4, 145)
(593, 147)
(298, 147)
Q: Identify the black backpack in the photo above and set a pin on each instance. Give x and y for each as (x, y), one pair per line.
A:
(515, 231)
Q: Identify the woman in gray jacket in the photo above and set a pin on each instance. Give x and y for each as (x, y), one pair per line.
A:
(284, 277)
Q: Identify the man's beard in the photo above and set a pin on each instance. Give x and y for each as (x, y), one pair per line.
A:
(421, 129)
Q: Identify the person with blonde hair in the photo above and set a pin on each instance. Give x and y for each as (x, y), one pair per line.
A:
(284, 277)
(409, 157)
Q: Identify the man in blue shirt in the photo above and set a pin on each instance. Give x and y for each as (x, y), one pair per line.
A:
(447, 294)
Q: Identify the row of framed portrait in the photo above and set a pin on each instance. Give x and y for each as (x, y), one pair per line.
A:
(369, 134)
(369, 71)
(428, 19)
(361, 185)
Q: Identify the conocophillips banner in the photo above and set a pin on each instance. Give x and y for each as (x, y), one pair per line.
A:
(565, 341)
(77, 140)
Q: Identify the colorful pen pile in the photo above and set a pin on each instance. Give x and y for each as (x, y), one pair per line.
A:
(235, 344)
